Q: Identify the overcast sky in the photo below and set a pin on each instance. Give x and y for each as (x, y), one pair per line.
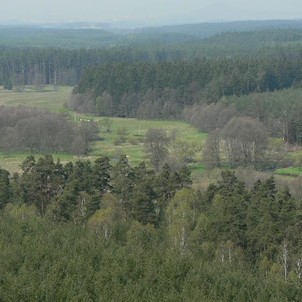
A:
(148, 11)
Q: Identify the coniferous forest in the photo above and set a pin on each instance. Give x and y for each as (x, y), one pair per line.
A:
(93, 231)
(110, 229)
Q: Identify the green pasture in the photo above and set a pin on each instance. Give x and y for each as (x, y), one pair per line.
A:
(133, 146)
(289, 171)
(54, 98)
(48, 97)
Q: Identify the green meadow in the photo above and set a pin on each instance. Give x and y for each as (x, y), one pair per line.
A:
(49, 97)
(108, 143)
(290, 171)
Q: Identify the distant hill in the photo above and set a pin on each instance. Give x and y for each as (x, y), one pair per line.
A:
(204, 30)
(97, 35)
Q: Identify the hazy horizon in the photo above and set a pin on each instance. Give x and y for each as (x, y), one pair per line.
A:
(145, 13)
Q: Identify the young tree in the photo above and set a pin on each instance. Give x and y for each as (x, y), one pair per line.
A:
(156, 146)
(211, 152)
(101, 174)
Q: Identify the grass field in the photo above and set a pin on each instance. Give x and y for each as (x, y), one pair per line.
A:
(290, 171)
(54, 99)
(49, 98)
(136, 129)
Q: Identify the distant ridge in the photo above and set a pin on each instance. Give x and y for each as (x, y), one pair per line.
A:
(204, 30)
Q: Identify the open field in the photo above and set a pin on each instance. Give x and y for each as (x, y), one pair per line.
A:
(51, 98)
(290, 171)
(133, 146)
(54, 99)
(136, 129)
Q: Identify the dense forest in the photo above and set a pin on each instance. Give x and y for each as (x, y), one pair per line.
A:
(111, 230)
(91, 231)
(55, 63)
(207, 79)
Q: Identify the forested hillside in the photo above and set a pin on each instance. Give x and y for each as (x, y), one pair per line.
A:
(54, 61)
(152, 210)
(93, 231)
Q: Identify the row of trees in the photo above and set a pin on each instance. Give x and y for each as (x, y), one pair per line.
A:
(24, 64)
(130, 233)
(72, 192)
(55, 66)
(120, 89)
(280, 111)
(254, 118)
(35, 130)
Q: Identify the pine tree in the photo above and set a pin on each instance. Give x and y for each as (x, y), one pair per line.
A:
(101, 174)
(5, 191)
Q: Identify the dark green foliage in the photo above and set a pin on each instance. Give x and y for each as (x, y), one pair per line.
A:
(64, 237)
(40, 182)
(7, 84)
(101, 174)
(165, 88)
(5, 190)
(143, 208)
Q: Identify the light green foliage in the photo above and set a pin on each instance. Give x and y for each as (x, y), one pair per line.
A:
(291, 171)
(181, 217)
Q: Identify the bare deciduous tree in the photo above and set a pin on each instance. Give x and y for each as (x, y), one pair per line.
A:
(156, 145)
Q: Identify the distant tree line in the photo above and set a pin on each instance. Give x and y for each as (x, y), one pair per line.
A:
(281, 111)
(34, 130)
(50, 66)
(165, 88)
(56, 66)
(44, 65)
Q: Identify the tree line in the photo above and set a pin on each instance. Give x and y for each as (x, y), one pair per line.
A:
(130, 233)
(120, 89)
(239, 128)
(29, 64)
(281, 111)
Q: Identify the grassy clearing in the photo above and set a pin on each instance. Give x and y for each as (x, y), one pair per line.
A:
(290, 171)
(133, 146)
(49, 98)
(54, 100)
(12, 161)
(136, 129)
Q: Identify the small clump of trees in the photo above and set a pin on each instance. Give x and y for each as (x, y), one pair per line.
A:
(242, 141)
(35, 130)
